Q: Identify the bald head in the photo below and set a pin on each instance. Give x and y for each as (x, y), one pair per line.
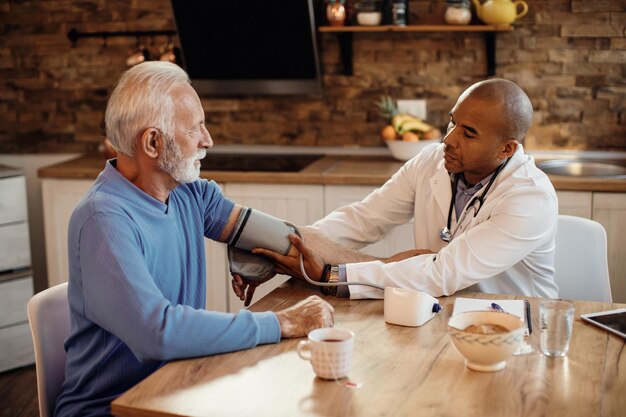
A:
(515, 110)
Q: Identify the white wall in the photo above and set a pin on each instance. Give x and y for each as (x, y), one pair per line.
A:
(30, 163)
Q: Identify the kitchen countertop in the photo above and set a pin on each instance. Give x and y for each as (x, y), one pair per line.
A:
(6, 172)
(338, 169)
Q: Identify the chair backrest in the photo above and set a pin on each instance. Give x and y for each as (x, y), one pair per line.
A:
(49, 318)
(581, 264)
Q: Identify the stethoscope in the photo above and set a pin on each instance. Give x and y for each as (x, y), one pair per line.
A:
(445, 234)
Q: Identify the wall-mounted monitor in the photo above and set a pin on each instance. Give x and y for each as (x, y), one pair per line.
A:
(247, 47)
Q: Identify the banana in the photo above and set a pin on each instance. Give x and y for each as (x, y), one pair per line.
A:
(399, 119)
(414, 125)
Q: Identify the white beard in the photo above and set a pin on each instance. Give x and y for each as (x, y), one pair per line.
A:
(183, 170)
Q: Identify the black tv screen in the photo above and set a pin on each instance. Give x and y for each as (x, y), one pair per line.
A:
(249, 46)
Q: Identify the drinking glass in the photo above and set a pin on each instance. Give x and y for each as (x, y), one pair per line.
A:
(556, 319)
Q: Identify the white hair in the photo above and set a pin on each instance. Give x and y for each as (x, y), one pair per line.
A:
(141, 100)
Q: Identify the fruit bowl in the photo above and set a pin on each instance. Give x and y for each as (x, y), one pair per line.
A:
(405, 150)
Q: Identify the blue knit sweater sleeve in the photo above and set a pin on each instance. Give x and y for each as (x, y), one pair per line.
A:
(121, 297)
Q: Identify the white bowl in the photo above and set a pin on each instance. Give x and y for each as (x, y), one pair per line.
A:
(369, 18)
(404, 150)
(486, 352)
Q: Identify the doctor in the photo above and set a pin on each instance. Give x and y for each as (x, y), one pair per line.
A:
(484, 215)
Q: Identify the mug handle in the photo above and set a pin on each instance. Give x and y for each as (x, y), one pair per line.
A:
(524, 8)
(304, 346)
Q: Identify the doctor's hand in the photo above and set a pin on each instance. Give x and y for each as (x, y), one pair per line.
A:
(310, 313)
(290, 264)
(400, 256)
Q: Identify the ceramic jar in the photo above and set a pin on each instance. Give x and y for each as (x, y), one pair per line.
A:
(458, 12)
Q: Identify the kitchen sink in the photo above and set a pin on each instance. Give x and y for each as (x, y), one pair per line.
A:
(257, 162)
(584, 168)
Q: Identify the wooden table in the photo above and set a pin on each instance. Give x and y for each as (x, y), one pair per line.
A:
(404, 371)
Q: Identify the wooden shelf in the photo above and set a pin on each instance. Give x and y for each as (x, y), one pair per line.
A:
(417, 28)
(344, 36)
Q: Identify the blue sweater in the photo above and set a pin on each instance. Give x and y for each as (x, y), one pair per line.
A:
(137, 289)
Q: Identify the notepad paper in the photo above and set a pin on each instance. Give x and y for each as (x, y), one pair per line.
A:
(515, 307)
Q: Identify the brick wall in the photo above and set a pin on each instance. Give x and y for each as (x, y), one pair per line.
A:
(569, 55)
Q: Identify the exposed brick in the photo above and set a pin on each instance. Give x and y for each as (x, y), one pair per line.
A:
(590, 80)
(588, 43)
(619, 19)
(566, 54)
(618, 43)
(569, 18)
(591, 30)
(573, 92)
(598, 6)
(616, 97)
(618, 57)
(592, 68)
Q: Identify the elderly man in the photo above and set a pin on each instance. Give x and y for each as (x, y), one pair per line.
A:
(136, 251)
(484, 215)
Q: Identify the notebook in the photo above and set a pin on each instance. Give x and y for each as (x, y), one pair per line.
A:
(519, 308)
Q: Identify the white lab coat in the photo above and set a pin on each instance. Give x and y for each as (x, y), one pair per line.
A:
(507, 248)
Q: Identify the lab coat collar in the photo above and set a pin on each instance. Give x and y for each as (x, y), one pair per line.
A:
(443, 194)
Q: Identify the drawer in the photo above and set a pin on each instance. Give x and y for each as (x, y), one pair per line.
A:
(13, 201)
(16, 347)
(14, 296)
(14, 247)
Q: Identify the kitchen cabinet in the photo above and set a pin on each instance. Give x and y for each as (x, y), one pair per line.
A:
(575, 203)
(16, 281)
(609, 209)
(59, 197)
(303, 204)
(398, 240)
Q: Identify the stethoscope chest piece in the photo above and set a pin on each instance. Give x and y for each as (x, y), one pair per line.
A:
(445, 234)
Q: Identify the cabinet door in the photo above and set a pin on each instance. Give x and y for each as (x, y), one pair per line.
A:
(609, 209)
(399, 239)
(13, 204)
(60, 197)
(14, 295)
(575, 203)
(16, 347)
(299, 204)
(14, 247)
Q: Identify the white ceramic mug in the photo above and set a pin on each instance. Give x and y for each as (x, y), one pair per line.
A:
(329, 351)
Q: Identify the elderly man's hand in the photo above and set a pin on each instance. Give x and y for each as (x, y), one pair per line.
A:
(244, 289)
(300, 319)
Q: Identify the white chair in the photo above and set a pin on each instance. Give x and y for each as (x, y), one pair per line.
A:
(581, 264)
(49, 318)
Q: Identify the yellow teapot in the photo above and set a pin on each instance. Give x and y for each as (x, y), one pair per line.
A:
(499, 12)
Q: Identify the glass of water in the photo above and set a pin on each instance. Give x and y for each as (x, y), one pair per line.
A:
(556, 319)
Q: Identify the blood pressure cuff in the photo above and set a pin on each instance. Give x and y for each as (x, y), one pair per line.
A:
(255, 229)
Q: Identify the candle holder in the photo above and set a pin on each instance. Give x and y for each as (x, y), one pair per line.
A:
(336, 12)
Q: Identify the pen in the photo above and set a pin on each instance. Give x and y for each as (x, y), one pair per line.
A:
(528, 320)
(497, 307)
